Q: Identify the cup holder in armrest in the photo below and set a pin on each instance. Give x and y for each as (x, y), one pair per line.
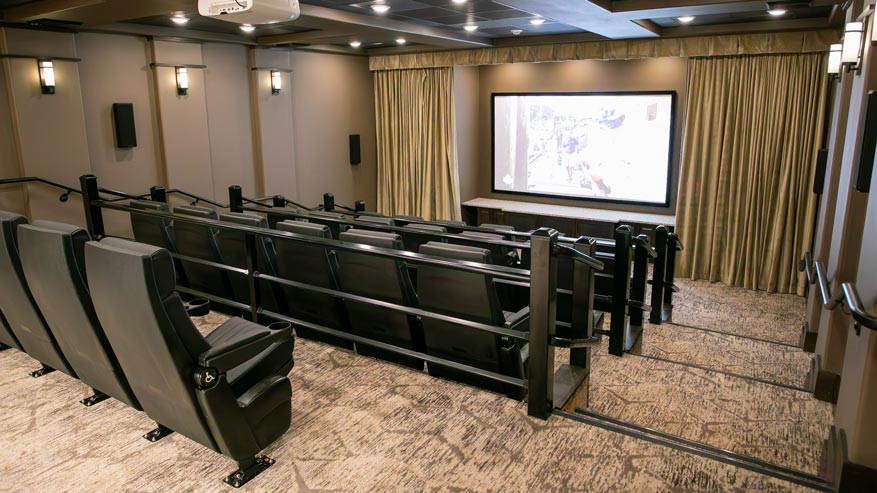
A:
(280, 326)
(198, 307)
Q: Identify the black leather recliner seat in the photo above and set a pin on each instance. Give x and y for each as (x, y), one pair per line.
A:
(469, 296)
(152, 230)
(7, 338)
(202, 242)
(227, 391)
(53, 260)
(377, 220)
(317, 266)
(234, 252)
(16, 301)
(500, 254)
(383, 279)
(330, 219)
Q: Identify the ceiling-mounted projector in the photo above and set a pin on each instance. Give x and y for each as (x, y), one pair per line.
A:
(250, 11)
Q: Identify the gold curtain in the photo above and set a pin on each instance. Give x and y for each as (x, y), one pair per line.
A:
(746, 208)
(417, 157)
(737, 44)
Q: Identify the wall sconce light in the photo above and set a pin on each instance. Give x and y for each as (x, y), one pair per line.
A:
(276, 82)
(834, 59)
(47, 76)
(182, 81)
(851, 52)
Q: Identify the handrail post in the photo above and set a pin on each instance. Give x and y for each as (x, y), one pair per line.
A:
(235, 199)
(670, 274)
(278, 201)
(638, 282)
(94, 218)
(543, 315)
(252, 281)
(158, 194)
(620, 291)
(328, 202)
(359, 206)
(659, 269)
(583, 304)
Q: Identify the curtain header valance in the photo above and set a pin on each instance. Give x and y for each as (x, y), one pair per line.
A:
(699, 46)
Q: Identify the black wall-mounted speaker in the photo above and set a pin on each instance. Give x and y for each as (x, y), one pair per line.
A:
(355, 154)
(819, 176)
(123, 120)
(869, 146)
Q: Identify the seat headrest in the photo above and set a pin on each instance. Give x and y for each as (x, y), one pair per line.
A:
(62, 228)
(482, 236)
(409, 218)
(433, 228)
(385, 221)
(6, 216)
(456, 252)
(195, 211)
(306, 229)
(329, 215)
(148, 205)
(497, 227)
(245, 219)
(158, 260)
(451, 223)
(373, 238)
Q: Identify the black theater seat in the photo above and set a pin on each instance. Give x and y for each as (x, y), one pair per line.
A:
(17, 303)
(317, 266)
(499, 254)
(382, 279)
(187, 383)
(330, 219)
(472, 297)
(154, 231)
(202, 242)
(378, 220)
(7, 338)
(416, 235)
(53, 260)
(234, 252)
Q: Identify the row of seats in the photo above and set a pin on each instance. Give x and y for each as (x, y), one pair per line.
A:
(108, 314)
(454, 293)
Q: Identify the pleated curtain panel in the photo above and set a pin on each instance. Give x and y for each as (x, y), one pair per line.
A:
(416, 142)
(746, 208)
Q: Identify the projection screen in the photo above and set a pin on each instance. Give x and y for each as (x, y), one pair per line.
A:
(611, 147)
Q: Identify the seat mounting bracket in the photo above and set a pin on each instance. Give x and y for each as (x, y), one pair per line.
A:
(248, 471)
(45, 370)
(158, 433)
(94, 399)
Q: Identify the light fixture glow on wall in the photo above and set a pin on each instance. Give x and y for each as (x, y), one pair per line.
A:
(182, 81)
(276, 82)
(47, 76)
(834, 59)
(852, 45)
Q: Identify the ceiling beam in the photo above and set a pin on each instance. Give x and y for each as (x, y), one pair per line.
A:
(45, 8)
(589, 15)
(305, 37)
(748, 27)
(645, 9)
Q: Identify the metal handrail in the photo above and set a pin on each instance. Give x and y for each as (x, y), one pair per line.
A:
(676, 241)
(68, 189)
(196, 198)
(847, 295)
(581, 257)
(643, 241)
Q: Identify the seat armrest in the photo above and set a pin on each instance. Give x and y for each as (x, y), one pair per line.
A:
(525, 353)
(242, 348)
(517, 320)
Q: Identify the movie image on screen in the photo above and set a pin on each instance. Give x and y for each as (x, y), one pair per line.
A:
(612, 147)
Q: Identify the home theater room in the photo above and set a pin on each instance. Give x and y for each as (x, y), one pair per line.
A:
(438, 245)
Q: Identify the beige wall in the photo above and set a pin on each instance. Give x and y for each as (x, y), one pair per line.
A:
(466, 81)
(659, 74)
(226, 131)
(333, 97)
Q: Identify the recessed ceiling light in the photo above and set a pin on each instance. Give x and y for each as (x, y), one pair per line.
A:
(400, 41)
(776, 12)
(248, 28)
(380, 8)
(517, 32)
(685, 19)
(537, 21)
(459, 2)
(356, 44)
(180, 19)
(470, 27)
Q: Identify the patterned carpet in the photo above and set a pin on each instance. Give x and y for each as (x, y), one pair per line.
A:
(363, 425)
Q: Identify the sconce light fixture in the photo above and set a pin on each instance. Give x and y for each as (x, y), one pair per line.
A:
(276, 82)
(47, 76)
(182, 81)
(851, 53)
(834, 59)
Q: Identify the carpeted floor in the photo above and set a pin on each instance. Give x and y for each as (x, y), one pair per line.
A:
(363, 425)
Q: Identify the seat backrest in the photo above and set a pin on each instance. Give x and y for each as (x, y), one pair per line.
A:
(234, 252)
(17, 303)
(498, 253)
(319, 217)
(132, 285)
(53, 259)
(497, 227)
(309, 264)
(6, 335)
(384, 279)
(198, 241)
(152, 230)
